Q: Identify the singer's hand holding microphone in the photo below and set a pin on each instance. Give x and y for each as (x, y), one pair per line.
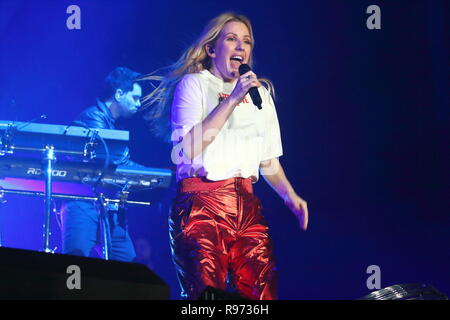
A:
(247, 83)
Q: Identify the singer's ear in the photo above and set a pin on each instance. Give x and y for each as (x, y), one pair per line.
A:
(210, 51)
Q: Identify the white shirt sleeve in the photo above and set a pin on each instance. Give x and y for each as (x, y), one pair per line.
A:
(272, 147)
(187, 107)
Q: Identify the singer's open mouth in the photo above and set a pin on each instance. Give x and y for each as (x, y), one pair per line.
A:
(236, 61)
(237, 58)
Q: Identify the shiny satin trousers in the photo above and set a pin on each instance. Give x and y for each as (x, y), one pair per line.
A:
(217, 231)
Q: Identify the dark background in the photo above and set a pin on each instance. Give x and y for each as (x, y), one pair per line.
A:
(364, 116)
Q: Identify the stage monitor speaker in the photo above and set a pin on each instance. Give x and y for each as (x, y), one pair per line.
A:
(26, 274)
(408, 291)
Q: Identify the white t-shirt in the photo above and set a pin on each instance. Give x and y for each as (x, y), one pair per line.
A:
(248, 137)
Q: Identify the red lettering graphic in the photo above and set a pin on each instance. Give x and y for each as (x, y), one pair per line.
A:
(224, 96)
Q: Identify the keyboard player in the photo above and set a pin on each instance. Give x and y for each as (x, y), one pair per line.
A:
(81, 221)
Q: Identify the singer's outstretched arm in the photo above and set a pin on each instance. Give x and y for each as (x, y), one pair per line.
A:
(273, 173)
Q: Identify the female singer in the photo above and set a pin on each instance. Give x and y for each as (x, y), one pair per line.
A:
(221, 143)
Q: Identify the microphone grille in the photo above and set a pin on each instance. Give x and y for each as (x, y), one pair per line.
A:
(244, 68)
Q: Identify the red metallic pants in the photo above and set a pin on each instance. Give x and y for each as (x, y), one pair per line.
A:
(217, 229)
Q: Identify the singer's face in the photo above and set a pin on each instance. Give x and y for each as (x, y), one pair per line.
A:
(233, 47)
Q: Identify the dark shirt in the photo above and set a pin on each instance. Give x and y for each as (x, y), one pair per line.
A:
(100, 117)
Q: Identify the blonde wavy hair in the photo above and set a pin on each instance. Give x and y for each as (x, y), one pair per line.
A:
(195, 59)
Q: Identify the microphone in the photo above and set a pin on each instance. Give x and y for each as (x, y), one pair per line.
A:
(254, 94)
